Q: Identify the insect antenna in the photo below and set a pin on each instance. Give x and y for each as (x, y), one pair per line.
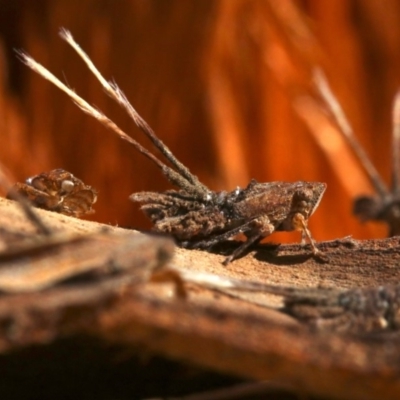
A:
(112, 89)
(181, 177)
(342, 122)
(396, 146)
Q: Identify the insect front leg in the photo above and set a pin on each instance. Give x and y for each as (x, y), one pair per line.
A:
(258, 229)
(213, 240)
(255, 230)
(300, 223)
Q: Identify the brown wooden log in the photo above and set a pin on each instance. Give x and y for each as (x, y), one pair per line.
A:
(245, 336)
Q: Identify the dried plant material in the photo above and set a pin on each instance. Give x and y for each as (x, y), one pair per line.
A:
(345, 128)
(357, 311)
(385, 206)
(292, 55)
(64, 256)
(334, 145)
(302, 55)
(208, 328)
(196, 216)
(59, 191)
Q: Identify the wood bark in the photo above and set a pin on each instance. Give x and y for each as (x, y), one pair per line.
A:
(244, 336)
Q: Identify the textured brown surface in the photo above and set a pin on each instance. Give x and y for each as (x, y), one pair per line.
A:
(217, 80)
(212, 329)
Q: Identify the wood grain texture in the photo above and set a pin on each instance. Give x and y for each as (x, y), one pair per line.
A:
(245, 336)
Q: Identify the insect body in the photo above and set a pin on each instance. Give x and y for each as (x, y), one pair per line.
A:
(355, 310)
(59, 191)
(257, 211)
(195, 215)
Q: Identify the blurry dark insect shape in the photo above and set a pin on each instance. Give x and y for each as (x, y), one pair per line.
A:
(353, 310)
(196, 216)
(59, 191)
(301, 76)
(384, 205)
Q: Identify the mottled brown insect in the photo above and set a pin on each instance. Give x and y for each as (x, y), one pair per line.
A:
(59, 191)
(256, 211)
(354, 310)
(195, 215)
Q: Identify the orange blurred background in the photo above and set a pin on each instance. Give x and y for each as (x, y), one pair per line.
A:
(222, 82)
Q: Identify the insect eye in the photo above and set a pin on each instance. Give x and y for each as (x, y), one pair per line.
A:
(67, 185)
(303, 196)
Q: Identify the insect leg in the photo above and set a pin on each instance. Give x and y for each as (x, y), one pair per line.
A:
(346, 130)
(212, 241)
(255, 230)
(242, 248)
(259, 228)
(395, 146)
(299, 223)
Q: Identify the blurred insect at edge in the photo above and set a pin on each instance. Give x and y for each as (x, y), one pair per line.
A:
(384, 205)
(59, 191)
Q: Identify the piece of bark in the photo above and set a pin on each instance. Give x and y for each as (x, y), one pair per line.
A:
(213, 329)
